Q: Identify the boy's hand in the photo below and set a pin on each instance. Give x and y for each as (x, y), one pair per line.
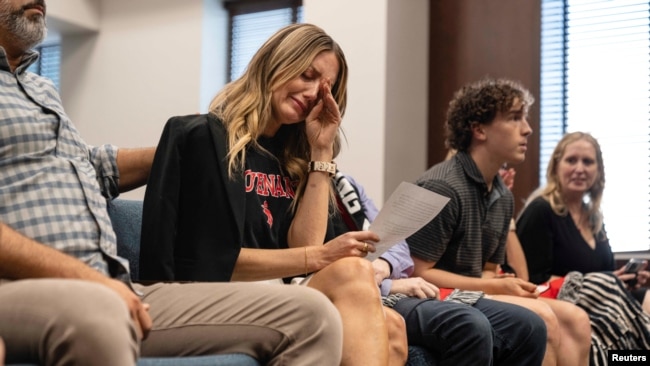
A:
(515, 287)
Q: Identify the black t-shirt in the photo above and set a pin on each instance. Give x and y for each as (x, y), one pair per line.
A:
(269, 194)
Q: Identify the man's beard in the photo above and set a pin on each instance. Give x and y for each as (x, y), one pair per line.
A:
(27, 31)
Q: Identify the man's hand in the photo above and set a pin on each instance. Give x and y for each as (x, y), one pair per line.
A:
(382, 270)
(23, 257)
(415, 287)
(139, 311)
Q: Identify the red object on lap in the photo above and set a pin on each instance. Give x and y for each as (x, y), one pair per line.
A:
(444, 292)
(553, 288)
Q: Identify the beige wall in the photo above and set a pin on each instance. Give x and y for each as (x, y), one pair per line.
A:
(386, 46)
(128, 65)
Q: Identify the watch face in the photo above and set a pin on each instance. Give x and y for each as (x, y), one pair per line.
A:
(322, 166)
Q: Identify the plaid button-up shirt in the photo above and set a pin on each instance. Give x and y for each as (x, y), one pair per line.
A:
(53, 187)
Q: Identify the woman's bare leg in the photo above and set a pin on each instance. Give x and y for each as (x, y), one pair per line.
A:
(397, 342)
(349, 283)
(575, 332)
(2, 353)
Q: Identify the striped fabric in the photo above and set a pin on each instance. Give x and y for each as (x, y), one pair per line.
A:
(617, 320)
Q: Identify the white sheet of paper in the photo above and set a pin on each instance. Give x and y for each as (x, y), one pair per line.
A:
(407, 210)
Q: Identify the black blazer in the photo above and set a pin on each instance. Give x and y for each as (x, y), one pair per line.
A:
(193, 214)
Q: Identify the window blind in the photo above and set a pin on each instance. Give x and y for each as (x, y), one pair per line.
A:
(552, 81)
(596, 78)
(49, 62)
(251, 27)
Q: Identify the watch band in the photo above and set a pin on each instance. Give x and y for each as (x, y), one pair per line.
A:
(322, 166)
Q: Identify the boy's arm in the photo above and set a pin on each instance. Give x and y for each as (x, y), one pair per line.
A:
(445, 279)
(515, 256)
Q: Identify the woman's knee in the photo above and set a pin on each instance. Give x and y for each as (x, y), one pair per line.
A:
(577, 322)
(352, 277)
(351, 268)
(550, 321)
(546, 313)
(580, 322)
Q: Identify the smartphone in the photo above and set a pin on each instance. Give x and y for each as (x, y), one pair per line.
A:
(634, 265)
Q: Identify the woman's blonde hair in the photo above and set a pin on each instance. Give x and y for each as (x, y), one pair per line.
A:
(552, 190)
(244, 105)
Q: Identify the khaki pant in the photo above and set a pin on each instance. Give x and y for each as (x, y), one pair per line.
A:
(65, 322)
(278, 325)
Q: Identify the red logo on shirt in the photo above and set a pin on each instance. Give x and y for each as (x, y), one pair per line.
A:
(268, 184)
(267, 212)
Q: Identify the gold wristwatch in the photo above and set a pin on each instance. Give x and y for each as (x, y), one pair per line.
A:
(322, 166)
